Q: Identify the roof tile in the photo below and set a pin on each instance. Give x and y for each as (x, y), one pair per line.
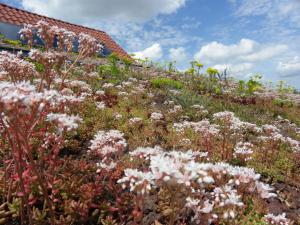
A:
(15, 16)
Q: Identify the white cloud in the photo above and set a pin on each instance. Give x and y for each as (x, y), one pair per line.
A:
(245, 51)
(90, 10)
(234, 68)
(154, 52)
(252, 7)
(266, 53)
(275, 11)
(290, 68)
(216, 51)
(241, 58)
(178, 54)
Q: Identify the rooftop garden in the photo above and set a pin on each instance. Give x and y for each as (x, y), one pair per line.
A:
(88, 143)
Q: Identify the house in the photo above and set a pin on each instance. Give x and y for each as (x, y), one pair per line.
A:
(13, 19)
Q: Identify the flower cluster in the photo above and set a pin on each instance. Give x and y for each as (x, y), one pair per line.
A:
(156, 116)
(230, 121)
(27, 33)
(100, 105)
(139, 182)
(65, 39)
(146, 152)
(25, 115)
(271, 134)
(277, 220)
(176, 109)
(88, 46)
(26, 98)
(212, 191)
(81, 85)
(243, 150)
(64, 121)
(108, 142)
(109, 146)
(15, 69)
(135, 120)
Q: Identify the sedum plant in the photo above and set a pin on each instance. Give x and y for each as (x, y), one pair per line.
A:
(35, 116)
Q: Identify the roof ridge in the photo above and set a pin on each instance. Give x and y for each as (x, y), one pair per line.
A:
(51, 18)
(34, 17)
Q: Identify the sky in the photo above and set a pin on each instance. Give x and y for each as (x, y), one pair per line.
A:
(244, 36)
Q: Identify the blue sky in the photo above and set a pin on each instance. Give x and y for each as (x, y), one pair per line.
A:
(244, 36)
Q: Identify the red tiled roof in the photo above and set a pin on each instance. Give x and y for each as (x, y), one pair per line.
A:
(16, 16)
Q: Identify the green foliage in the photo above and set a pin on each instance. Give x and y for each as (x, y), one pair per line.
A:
(127, 62)
(12, 42)
(171, 66)
(251, 217)
(283, 102)
(279, 170)
(210, 84)
(283, 88)
(248, 88)
(113, 60)
(39, 67)
(112, 67)
(166, 82)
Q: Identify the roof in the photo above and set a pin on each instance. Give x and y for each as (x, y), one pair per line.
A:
(20, 17)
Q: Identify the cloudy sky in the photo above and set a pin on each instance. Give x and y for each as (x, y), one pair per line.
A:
(244, 36)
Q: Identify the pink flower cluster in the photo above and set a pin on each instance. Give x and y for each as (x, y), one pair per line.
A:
(243, 150)
(88, 46)
(15, 69)
(109, 146)
(277, 220)
(229, 121)
(212, 190)
(64, 121)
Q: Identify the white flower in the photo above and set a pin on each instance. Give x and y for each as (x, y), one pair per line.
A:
(83, 86)
(88, 45)
(228, 119)
(206, 129)
(264, 190)
(295, 145)
(243, 148)
(156, 116)
(139, 182)
(107, 85)
(146, 152)
(64, 122)
(25, 96)
(123, 93)
(100, 92)
(104, 166)
(135, 120)
(277, 220)
(100, 105)
(118, 116)
(199, 107)
(15, 68)
(176, 109)
(270, 129)
(108, 142)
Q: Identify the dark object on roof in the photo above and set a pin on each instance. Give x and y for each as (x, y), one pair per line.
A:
(20, 17)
